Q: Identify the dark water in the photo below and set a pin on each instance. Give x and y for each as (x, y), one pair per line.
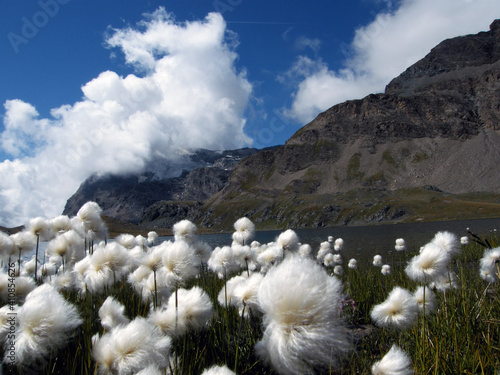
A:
(363, 242)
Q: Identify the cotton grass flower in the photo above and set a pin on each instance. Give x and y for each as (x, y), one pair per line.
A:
(399, 310)
(117, 258)
(464, 240)
(430, 265)
(301, 321)
(222, 261)
(24, 242)
(63, 281)
(489, 265)
(400, 245)
(288, 241)
(49, 268)
(130, 348)
(61, 224)
(152, 238)
(184, 230)
(193, 312)
(179, 263)
(395, 362)
(339, 244)
(487, 276)
(377, 261)
(448, 241)
(218, 370)
(128, 241)
(153, 258)
(89, 222)
(305, 250)
(245, 295)
(444, 283)
(28, 268)
(426, 300)
(325, 248)
(151, 286)
(41, 228)
(338, 270)
(226, 295)
(245, 231)
(245, 256)
(44, 330)
(69, 246)
(271, 256)
(386, 270)
(151, 370)
(353, 264)
(328, 260)
(97, 275)
(6, 245)
(23, 285)
(112, 314)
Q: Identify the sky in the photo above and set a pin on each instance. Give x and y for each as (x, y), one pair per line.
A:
(112, 86)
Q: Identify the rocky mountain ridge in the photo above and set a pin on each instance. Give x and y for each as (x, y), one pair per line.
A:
(127, 197)
(427, 148)
(436, 125)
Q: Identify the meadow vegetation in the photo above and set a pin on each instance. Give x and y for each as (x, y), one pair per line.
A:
(134, 305)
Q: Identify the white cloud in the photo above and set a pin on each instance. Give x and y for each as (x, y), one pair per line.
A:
(384, 48)
(303, 43)
(188, 95)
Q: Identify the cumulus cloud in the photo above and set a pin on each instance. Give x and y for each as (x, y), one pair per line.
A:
(381, 50)
(186, 93)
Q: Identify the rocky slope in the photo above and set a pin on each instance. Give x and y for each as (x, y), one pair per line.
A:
(427, 148)
(436, 128)
(128, 197)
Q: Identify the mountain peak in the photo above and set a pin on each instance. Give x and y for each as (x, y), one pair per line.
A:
(452, 59)
(436, 125)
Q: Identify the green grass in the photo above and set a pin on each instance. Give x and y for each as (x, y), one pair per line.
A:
(389, 159)
(353, 167)
(461, 337)
(296, 205)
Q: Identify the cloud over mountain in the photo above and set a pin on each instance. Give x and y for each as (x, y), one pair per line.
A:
(379, 51)
(186, 93)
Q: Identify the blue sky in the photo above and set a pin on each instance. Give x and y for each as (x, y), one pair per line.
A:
(100, 86)
(67, 50)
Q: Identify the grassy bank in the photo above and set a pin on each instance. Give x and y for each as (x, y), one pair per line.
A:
(461, 335)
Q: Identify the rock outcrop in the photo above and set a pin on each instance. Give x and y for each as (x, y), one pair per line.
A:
(437, 124)
(427, 148)
(127, 198)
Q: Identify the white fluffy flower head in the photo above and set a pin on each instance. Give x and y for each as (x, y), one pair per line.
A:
(245, 230)
(301, 321)
(395, 362)
(184, 230)
(399, 310)
(430, 265)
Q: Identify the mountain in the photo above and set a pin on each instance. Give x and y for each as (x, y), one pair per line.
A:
(427, 148)
(127, 197)
(432, 136)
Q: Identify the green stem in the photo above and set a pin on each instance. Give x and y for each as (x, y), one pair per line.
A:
(155, 298)
(36, 256)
